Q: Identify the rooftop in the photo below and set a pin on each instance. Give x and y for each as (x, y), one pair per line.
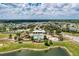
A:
(39, 31)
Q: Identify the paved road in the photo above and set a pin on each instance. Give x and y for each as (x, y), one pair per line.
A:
(75, 38)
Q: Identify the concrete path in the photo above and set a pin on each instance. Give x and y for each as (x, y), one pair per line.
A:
(6, 39)
(52, 38)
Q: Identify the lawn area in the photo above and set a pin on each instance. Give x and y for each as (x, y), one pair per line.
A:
(3, 35)
(14, 45)
(71, 46)
(73, 34)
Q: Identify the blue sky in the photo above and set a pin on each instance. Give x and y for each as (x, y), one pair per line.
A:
(39, 11)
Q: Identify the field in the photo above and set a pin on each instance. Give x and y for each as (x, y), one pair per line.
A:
(3, 35)
(73, 47)
(73, 34)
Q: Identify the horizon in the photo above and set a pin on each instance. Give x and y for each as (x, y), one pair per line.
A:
(22, 21)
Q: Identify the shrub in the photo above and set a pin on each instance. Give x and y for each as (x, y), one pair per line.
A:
(15, 38)
(50, 42)
(46, 43)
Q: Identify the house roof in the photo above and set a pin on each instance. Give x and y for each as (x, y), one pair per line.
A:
(39, 31)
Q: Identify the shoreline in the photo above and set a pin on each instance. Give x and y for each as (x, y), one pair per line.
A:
(34, 49)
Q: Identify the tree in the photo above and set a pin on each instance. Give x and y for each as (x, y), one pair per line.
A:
(58, 31)
(45, 38)
(67, 27)
(10, 36)
(15, 38)
(61, 37)
(20, 40)
(32, 38)
(18, 34)
(46, 43)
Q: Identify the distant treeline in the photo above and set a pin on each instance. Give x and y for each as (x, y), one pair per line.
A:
(39, 20)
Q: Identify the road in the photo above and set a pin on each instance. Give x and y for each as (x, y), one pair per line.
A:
(75, 38)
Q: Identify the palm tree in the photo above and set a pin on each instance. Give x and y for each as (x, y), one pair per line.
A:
(19, 39)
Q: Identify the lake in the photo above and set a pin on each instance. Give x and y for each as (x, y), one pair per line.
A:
(50, 52)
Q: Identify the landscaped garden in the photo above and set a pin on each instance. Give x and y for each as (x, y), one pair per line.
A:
(71, 46)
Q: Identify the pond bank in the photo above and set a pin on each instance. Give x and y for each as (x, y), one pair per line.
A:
(33, 49)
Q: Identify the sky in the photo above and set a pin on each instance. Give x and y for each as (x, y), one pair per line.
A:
(39, 11)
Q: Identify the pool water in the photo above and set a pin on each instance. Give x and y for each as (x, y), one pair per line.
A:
(50, 52)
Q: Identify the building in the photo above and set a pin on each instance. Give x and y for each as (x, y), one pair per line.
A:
(73, 27)
(38, 34)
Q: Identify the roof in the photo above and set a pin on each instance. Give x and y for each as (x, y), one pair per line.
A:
(39, 31)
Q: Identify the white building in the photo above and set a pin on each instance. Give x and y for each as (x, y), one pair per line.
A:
(38, 34)
(73, 27)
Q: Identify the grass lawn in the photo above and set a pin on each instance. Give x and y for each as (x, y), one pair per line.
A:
(12, 46)
(2, 35)
(73, 34)
(71, 46)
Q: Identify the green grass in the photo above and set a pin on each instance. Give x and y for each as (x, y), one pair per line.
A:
(12, 46)
(73, 47)
(73, 34)
(2, 35)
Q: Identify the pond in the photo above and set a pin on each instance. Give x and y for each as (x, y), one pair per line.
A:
(50, 52)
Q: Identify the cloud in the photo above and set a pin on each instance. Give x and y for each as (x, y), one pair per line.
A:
(39, 10)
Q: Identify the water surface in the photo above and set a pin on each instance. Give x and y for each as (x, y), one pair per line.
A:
(50, 52)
